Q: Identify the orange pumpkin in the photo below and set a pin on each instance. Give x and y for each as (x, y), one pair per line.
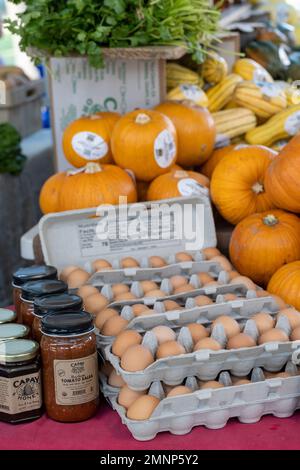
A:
(143, 186)
(195, 129)
(237, 184)
(49, 195)
(208, 168)
(262, 243)
(87, 139)
(94, 186)
(145, 141)
(283, 176)
(176, 184)
(286, 284)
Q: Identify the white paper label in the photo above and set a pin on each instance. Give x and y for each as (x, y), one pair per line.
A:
(292, 124)
(269, 89)
(260, 75)
(89, 145)
(191, 92)
(164, 149)
(222, 141)
(191, 187)
(20, 394)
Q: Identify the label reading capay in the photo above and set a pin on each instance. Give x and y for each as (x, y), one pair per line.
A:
(20, 394)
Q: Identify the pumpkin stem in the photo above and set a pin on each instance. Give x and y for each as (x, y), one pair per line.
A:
(92, 167)
(270, 220)
(142, 118)
(180, 174)
(258, 188)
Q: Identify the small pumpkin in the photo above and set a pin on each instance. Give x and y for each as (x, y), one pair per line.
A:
(50, 193)
(237, 184)
(195, 128)
(285, 283)
(145, 142)
(209, 166)
(176, 184)
(283, 176)
(87, 139)
(143, 186)
(262, 243)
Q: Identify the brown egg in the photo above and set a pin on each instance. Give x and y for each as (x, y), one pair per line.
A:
(207, 343)
(142, 408)
(129, 262)
(86, 291)
(113, 326)
(223, 262)
(280, 302)
(155, 293)
(213, 283)
(182, 256)
(180, 390)
(136, 358)
(182, 289)
(104, 315)
(202, 300)
(138, 309)
(157, 262)
(106, 368)
(125, 296)
(235, 379)
(197, 331)
(270, 375)
(204, 278)
(171, 305)
(163, 334)
(232, 275)
(245, 281)
(124, 340)
(211, 384)
(168, 349)
(119, 289)
(263, 321)
(230, 297)
(293, 316)
(101, 265)
(210, 253)
(242, 340)
(274, 335)
(95, 303)
(242, 382)
(66, 272)
(283, 375)
(127, 396)
(262, 293)
(230, 325)
(295, 335)
(115, 380)
(77, 278)
(148, 286)
(150, 311)
(178, 281)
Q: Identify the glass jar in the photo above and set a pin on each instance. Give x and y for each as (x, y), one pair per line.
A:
(70, 366)
(7, 316)
(52, 303)
(34, 289)
(30, 273)
(20, 381)
(11, 331)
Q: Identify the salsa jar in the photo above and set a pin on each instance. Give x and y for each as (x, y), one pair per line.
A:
(7, 316)
(70, 366)
(20, 381)
(9, 331)
(27, 274)
(52, 303)
(34, 289)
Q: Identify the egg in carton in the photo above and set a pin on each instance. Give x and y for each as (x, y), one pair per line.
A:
(204, 354)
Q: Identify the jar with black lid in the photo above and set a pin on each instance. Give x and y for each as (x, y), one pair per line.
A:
(70, 366)
(20, 381)
(7, 316)
(9, 331)
(27, 274)
(52, 303)
(34, 289)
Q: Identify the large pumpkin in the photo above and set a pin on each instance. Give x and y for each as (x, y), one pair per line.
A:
(87, 139)
(176, 184)
(96, 185)
(143, 186)
(195, 129)
(208, 168)
(286, 283)
(50, 193)
(283, 177)
(262, 243)
(145, 141)
(237, 184)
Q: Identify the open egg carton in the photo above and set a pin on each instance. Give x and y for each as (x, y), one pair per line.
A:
(213, 407)
(206, 363)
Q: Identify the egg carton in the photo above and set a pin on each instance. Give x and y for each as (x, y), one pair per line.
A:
(241, 309)
(207, 364)
(213, 408)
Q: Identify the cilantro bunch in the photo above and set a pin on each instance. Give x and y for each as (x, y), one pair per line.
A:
(11, 159)
(65, 27)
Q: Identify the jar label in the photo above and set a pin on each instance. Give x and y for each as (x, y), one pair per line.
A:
(292, 124)
(20, 394)
(76, 380)
(89, 145)
(164, 149)
(190, 187)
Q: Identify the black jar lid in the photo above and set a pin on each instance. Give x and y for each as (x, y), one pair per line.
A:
(33, 273)
(57, 302)
(34, 289)
(67, 323)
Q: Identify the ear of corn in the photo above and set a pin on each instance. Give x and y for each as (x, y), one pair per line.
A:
(221, 94)
(178, 75)
(264, 99)
(248, 69)
(235, 122)
(214, 69)
(188, 92)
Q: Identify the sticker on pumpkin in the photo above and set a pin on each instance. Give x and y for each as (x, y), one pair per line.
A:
(164, 149)
(191, 92)
(89, 145)
(222, 141)
(188, 187)
(260, 75)
(269, 89)
(292, 124)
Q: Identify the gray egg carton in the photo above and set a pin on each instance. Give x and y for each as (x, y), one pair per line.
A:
(207, 364)
(213, 408)
(241, 309)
